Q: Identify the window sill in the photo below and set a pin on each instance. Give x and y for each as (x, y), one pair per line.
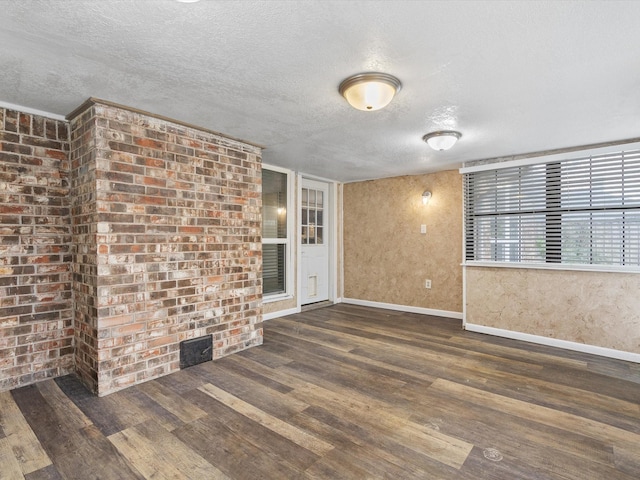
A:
(278, 297)
(555, 266)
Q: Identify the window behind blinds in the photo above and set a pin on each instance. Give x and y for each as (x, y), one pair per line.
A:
(275, 235)
(578, 211)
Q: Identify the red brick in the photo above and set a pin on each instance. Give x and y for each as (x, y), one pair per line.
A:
(45, 238)
(153, 195)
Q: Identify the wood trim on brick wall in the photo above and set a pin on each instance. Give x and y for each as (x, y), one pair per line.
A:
(93, 101)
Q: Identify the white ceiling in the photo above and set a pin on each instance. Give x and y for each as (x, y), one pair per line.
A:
(513, 76)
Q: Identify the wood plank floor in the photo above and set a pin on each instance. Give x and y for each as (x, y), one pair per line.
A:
(342, 392)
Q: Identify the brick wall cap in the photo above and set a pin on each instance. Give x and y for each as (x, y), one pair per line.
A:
(91, 101)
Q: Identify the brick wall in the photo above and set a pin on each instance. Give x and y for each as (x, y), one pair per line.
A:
(121, 242)
(84, 220)
(36, 323)
(170, 250)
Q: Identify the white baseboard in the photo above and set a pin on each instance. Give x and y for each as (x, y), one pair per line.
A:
(284, 313)
(554, 342)
(279, 313)
(403, 308)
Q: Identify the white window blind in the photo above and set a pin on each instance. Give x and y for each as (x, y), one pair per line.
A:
(275, 232)
(583, 210)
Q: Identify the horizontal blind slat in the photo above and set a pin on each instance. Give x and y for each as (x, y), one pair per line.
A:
(582, 210)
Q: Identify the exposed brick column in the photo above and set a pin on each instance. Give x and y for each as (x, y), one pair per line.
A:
(36, 331)
(177, 251)
(84, 216)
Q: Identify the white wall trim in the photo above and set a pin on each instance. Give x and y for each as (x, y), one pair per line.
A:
(32, 111)
(554, 342)
(565, 267)
(298, 268)
(340, 244)
(404, 308)
(333, 267)
(279, 313)
(552, 156)
(464, 295)
(317, 178)
(276, 298)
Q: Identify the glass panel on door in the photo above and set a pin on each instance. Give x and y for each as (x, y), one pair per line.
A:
(312, 217)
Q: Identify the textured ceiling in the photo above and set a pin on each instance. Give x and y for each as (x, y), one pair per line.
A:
(514, 77)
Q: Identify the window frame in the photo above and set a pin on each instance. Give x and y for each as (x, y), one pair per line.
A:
(553, 259)
(287, 242)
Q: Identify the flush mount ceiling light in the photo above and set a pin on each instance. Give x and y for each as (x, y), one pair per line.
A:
(369, 91)
(187, 1)
(442, 140)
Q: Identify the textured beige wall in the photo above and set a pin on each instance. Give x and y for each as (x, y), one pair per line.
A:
(386, 258)
(271, 307)
(593, 308)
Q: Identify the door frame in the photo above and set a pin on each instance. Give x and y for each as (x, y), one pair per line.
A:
(332, 238)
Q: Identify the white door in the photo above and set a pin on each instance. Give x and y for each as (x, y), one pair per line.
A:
(314, 242)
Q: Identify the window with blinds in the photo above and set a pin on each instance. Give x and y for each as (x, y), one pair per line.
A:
(582, 210)
(275, 232)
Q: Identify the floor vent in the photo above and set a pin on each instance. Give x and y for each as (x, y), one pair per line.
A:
(195, 351)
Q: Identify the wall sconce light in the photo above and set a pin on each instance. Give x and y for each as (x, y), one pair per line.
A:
(426, 196)
(442, 140)
(369, 91)
(282, 210)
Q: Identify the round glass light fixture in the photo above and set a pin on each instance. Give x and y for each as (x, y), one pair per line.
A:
(442, 140)
(369, 91)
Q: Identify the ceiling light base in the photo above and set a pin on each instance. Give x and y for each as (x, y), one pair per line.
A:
(442, 140)
(369, 91)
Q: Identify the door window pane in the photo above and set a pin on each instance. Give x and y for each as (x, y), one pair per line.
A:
(312, 217)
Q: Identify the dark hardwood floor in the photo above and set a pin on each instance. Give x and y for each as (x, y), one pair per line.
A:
(342, 392)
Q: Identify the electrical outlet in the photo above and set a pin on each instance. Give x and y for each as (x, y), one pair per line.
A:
(427, 284)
